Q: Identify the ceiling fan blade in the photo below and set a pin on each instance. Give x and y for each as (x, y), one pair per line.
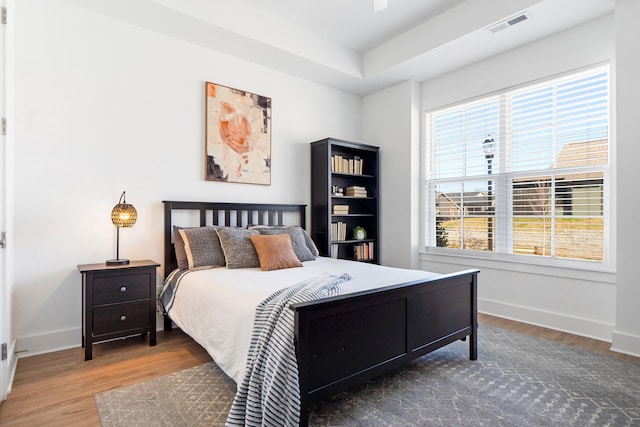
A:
(379, 5)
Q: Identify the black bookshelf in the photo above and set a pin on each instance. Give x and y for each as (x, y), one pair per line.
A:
(354, 168)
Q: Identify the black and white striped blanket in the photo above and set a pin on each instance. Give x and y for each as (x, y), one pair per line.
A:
(269, 394)
(168, 293)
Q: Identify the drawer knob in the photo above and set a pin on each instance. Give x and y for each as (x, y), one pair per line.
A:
(123, 318)
(123, 289)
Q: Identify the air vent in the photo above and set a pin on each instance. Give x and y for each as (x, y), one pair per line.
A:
(509, 22)
(379, 5)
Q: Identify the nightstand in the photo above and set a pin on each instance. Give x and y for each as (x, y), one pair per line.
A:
(118, 301)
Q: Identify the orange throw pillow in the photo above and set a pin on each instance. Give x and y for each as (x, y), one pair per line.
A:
(275, 251)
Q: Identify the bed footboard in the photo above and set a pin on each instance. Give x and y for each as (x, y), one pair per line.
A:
(346, 340)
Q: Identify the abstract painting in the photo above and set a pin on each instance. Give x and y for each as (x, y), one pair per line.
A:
(238, 136)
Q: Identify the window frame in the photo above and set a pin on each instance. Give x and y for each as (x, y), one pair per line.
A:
(504, 178)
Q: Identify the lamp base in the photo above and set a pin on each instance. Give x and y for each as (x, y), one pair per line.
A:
(117, 261)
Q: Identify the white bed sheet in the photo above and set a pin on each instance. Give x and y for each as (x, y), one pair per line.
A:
(216, 306)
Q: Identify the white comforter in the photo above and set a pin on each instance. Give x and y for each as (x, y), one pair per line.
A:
(216, 306)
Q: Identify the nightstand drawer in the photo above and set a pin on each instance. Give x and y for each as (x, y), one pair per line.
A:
(120, 317)
(120, 288)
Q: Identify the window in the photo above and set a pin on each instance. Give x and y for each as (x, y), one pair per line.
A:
(523, 172)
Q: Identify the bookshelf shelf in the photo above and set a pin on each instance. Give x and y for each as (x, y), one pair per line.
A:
(352, 175)
(354, 214)
(352, 169)
(353, 197)
(352, 241)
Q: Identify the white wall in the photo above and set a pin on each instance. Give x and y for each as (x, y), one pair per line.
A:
(599, 304)
(102, 106)
(626, 337)
(392, 122)
(569, 299)
(574, 300)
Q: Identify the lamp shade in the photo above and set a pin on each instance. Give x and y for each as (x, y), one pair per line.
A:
(124, 215)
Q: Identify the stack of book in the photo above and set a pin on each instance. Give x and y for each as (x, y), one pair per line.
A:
(338, 231)
(340, 209)
(356, 191)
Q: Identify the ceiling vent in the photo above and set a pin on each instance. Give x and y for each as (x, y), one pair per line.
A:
(509, 22)
(379, 5)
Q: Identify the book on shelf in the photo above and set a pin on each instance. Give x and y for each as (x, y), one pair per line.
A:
(356, 165)
(336, 163)
(341, 209)
(343, 164)
(338, 231)
(356, 191)
(334, 250)
(340, 164)
(363, 251)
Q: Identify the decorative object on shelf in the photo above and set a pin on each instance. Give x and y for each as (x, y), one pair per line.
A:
(122, 215)
(337, 191)
(359, 233)
(238, 136)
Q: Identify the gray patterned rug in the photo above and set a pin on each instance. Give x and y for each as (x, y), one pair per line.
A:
(516, 381)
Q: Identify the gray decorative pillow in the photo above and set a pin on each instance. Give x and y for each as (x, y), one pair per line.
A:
(201, 247)
(297, 240)
(238, 249)
(310, 243)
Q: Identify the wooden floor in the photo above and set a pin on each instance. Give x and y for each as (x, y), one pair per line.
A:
(57, 389)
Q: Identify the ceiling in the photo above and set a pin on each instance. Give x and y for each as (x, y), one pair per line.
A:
(344, 43)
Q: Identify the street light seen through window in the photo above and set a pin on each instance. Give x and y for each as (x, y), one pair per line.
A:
(489, 147)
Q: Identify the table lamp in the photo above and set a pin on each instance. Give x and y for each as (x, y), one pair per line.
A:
(122, 215)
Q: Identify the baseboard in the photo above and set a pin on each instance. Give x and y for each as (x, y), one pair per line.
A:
(13, 364)
(47, 343)
(56, 341)
(573, 325)
(626, 343)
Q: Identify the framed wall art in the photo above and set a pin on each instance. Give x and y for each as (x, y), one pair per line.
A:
(238, 136)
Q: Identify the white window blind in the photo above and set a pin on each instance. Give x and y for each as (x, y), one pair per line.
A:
(524, 171)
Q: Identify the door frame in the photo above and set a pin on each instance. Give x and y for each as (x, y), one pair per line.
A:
(8, 364)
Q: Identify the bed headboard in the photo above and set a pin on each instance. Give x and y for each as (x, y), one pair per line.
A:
(227, 214)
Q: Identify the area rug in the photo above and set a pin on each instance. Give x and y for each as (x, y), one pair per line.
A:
(516, 381)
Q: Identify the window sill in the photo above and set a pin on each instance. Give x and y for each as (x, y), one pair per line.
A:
(582, 270)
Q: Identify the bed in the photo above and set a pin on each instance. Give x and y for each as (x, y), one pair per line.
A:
(340, 341)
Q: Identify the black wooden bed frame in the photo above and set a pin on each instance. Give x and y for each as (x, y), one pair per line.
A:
(345, 340)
